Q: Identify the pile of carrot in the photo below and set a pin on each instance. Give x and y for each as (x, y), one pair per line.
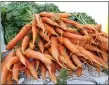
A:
(51, 42)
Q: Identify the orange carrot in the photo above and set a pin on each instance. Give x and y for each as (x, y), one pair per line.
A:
(34, 31)
(47, 14)
(50, 29)
(69, 29)
(18, 37)
(44, 36)
(75, 36)
(52, 74)
(16, 70)
(31, 45)
(27, 72)
(41, 45)
(12, 61)
(104, 56)
(47, 45)
(4, 74)
(74, 23)
(11, 54)
(63, 53)
(58, 30)
(43, 70)
(63, 15)
(89, 26)
(62, 25)
(37, 64)
(37, 55)
(49, 21)
(31, 69)
(39, 22)
(79, 71)
(9, 79)
(76, 60)
(25, 43)
(21, 56)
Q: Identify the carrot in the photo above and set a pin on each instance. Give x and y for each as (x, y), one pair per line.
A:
(104, 56)
(25, 43)
(92, 48)
(68, 21)
(11, 54)
(27, 72)
(12, 61)
(31, 69)
(75, 36)
(37, 55)
(62, 25)
(47, 45)
(39, 22)
(52, 74)
(79, 71)
(9, 79)
(58, 30)
(16, 68)
(34, 31)
(62, 60)
(20, 56)
(63, 53)
(44, 36)
(63, 15)
(37, 64)
(43, 70)
(31, 45)
(18, 37)
(76, 60)
(54, 49)
(4, 74)
(49, 21)
(50, 29)
(69, 29)
(47, 14)
(41, 45)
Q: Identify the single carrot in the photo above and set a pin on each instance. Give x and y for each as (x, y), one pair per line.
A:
(104, 56)
(16, 71)
(79, 71)
(47, 14)
(69, 29)
(37, 55)
(76, 36)
(31, 45)
(31, 69)
(4, 74)
(50, 29)
(58, 30)
(39, 22)
(63, 53)
(92, 48)
(11, 54)
(49, 21)
(76, 60)
(34, 31)
(20, 56)
(27, 72)
(37, 64)
(41, 45)
(43, 70)
(62, 25)
(63, 15)
(9, 79)
(18, 37)
(44, 36)
(47, 45)
(25, 43)
(62, 60)
(12, 61)
(74, 23)
(52, 74)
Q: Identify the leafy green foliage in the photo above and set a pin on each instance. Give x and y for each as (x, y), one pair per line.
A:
(62, 78)
(16, 14)
(82, 18)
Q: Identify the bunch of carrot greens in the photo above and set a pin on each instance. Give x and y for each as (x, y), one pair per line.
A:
(53, 42)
